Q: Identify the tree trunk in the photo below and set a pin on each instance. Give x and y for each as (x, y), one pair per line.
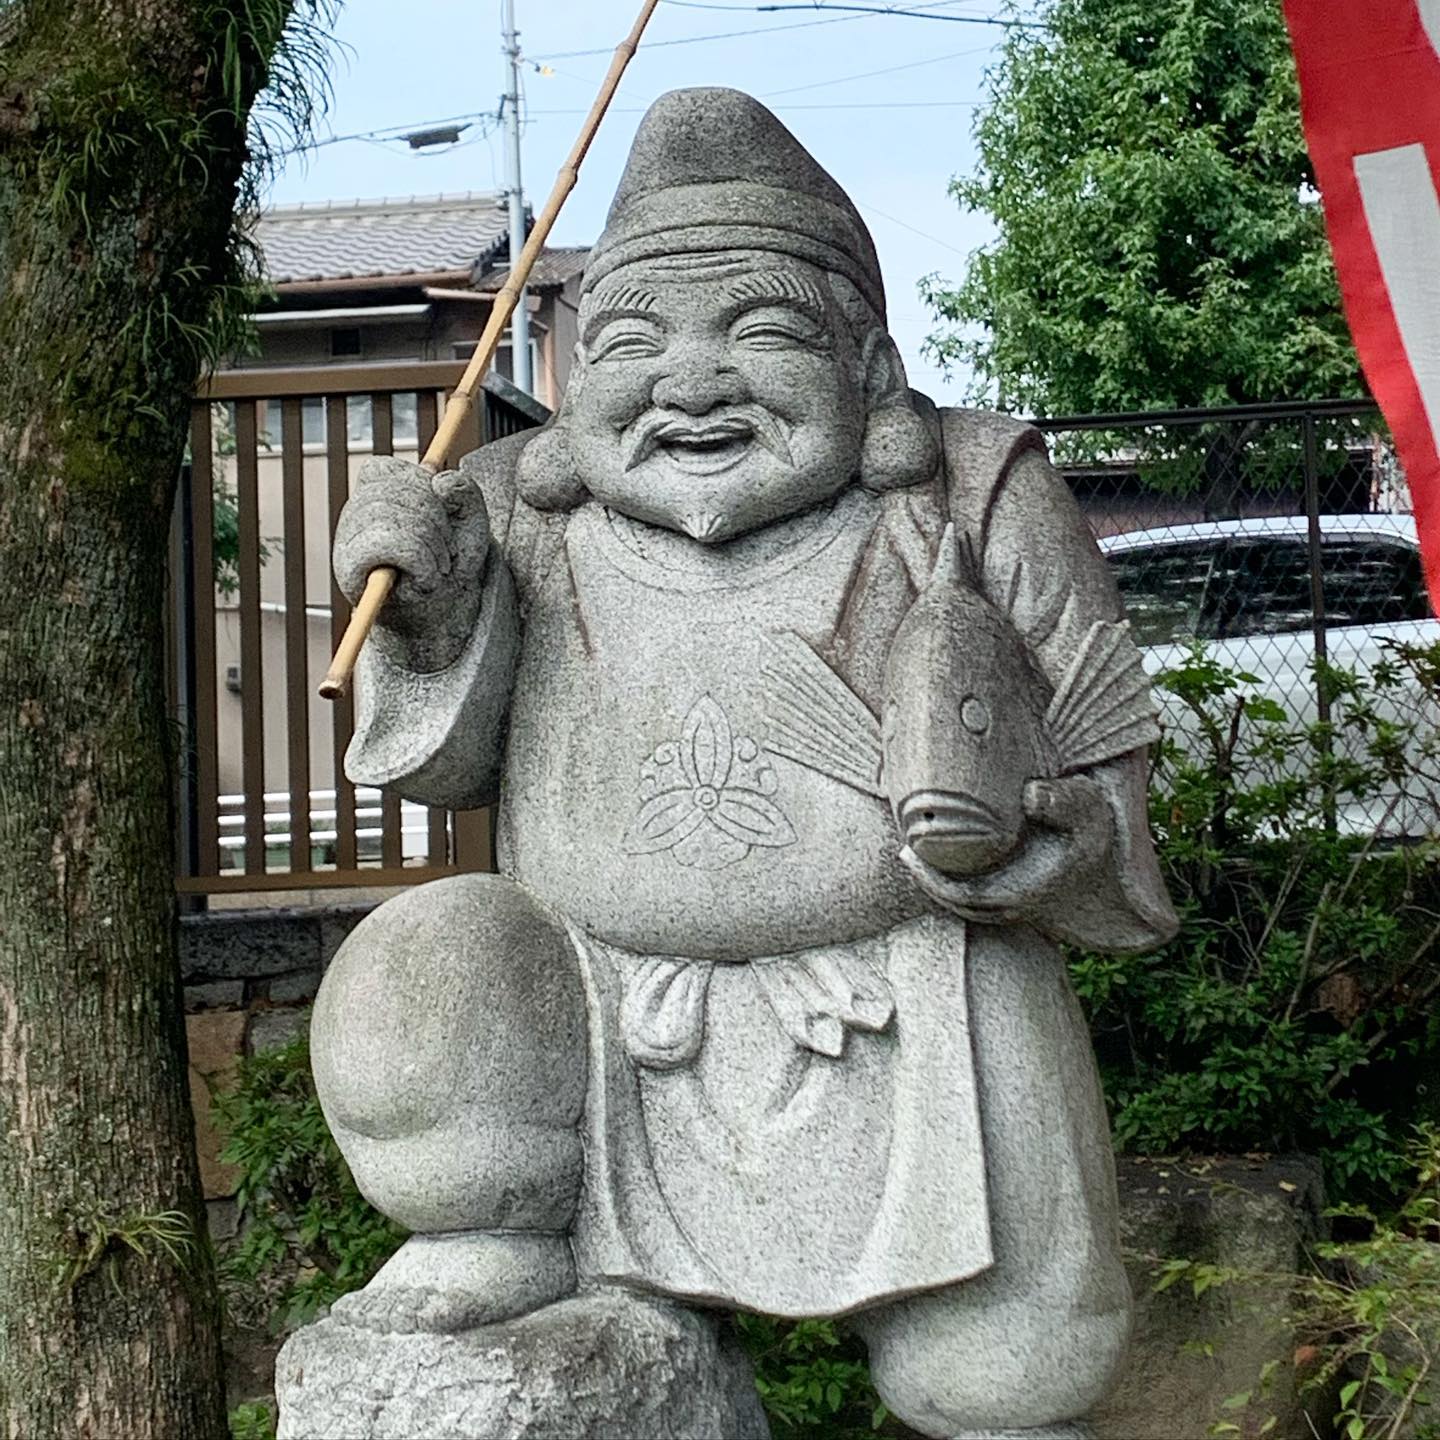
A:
(121, 150)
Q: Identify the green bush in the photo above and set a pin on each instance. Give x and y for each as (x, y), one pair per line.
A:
(1294, 1008)
(307, 1235)
(813, 1379)
(252, 1421)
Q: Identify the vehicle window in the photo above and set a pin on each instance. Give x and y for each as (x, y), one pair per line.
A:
(1370, 581)
(1260, 587)
(1164, 590)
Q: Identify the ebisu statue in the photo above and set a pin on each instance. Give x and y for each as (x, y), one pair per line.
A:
(814, 730)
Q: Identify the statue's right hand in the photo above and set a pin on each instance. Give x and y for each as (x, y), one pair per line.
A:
(434, 531)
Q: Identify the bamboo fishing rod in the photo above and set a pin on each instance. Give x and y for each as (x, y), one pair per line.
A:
(382, 580)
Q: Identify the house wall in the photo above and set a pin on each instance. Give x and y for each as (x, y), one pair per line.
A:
(447, 333)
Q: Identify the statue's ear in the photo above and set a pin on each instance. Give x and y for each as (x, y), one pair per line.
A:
(546, 475)
(899, 448)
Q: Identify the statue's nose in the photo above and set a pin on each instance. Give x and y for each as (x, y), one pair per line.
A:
(697, 384)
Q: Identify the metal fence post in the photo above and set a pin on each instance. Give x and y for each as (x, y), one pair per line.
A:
(1311, 460)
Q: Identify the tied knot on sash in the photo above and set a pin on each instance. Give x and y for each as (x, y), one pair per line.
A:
(816, 997)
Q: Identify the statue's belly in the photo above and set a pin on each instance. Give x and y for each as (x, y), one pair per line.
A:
(661, 823)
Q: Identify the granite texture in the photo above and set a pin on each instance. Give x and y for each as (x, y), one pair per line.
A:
(229, 946)
(606, 1366)
(1191, 1354)
(813, 725)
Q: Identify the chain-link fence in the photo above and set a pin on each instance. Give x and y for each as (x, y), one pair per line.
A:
(1278, 536)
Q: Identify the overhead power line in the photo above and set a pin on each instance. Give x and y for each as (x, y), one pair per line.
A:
(727, 34)
(918, 13)
(400, 134)
(870, 74)
(905, 225)
(927, 13)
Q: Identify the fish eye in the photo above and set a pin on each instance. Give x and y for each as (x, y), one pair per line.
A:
(975, 715)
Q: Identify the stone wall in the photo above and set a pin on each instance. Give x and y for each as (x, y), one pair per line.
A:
(250, 976)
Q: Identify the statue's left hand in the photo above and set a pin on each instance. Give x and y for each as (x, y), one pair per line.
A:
(1070, 838)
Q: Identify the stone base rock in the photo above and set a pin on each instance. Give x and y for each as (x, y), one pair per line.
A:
(602, 1366)
(1190, 1355)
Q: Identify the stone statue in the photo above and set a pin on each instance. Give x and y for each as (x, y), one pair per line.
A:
(814, 728)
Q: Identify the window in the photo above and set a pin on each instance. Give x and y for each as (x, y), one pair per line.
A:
(1372, 581)
(1163, 588)
(1260, 585)
(404, 421)
(345, 343)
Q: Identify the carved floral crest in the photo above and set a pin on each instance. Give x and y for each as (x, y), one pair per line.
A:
(706, 797)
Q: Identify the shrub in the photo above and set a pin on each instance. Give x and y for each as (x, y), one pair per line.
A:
(1293, 1009)
(308, 1236)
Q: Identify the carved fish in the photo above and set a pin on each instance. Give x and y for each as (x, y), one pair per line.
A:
(968, 719)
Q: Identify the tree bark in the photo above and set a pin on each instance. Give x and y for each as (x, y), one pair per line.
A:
(121, 153)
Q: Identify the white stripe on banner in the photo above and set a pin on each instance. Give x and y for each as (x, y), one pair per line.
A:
(1430, 19)
(1403, 212)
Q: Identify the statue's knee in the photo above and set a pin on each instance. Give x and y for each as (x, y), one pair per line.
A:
(457, 996)
(964, 1359)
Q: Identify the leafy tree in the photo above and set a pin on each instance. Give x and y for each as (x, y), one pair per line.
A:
(124, 156)
(1159, 243)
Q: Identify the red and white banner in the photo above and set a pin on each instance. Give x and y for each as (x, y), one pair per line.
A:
(1370, 98)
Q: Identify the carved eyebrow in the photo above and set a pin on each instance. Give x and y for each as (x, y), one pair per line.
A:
(784, 286)
(617, 303)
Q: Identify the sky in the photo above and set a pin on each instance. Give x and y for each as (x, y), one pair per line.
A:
(884, 102)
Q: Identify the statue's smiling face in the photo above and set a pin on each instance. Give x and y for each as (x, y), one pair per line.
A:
(715, 393)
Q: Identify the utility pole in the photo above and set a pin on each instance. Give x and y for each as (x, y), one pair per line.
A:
(515, 196)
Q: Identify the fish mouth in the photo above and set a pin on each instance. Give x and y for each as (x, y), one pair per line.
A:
(713, 444)
(955, 833)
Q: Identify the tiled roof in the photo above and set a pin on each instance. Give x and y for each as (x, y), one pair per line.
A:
(556, 265)
(357, 239)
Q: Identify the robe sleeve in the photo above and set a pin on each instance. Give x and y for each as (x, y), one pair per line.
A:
(1033, 556)
(438, 738)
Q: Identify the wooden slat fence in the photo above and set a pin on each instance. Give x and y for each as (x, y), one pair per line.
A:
(264, 801)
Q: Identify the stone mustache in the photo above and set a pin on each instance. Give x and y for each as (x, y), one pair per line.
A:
(813, 726)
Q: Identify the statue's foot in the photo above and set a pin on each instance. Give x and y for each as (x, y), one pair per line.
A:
(445, 1283)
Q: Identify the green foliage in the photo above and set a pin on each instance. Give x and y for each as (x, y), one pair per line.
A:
(124, 210)
(1366, 1315)
(1158, 242)
(812, 1380)
(308, 1236)
(1294, 1008)
(252, 1421)
(98, 1241)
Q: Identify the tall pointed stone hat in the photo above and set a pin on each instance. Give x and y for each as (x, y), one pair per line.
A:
(712, 169)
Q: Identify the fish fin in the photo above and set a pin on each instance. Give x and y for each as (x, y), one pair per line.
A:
(815, 719)
(1102, 708)
(946, 570)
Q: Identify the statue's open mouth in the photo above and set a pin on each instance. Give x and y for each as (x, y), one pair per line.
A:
(706, 449)
(706, 445)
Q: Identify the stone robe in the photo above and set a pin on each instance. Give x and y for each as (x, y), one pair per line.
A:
(784, 1106)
